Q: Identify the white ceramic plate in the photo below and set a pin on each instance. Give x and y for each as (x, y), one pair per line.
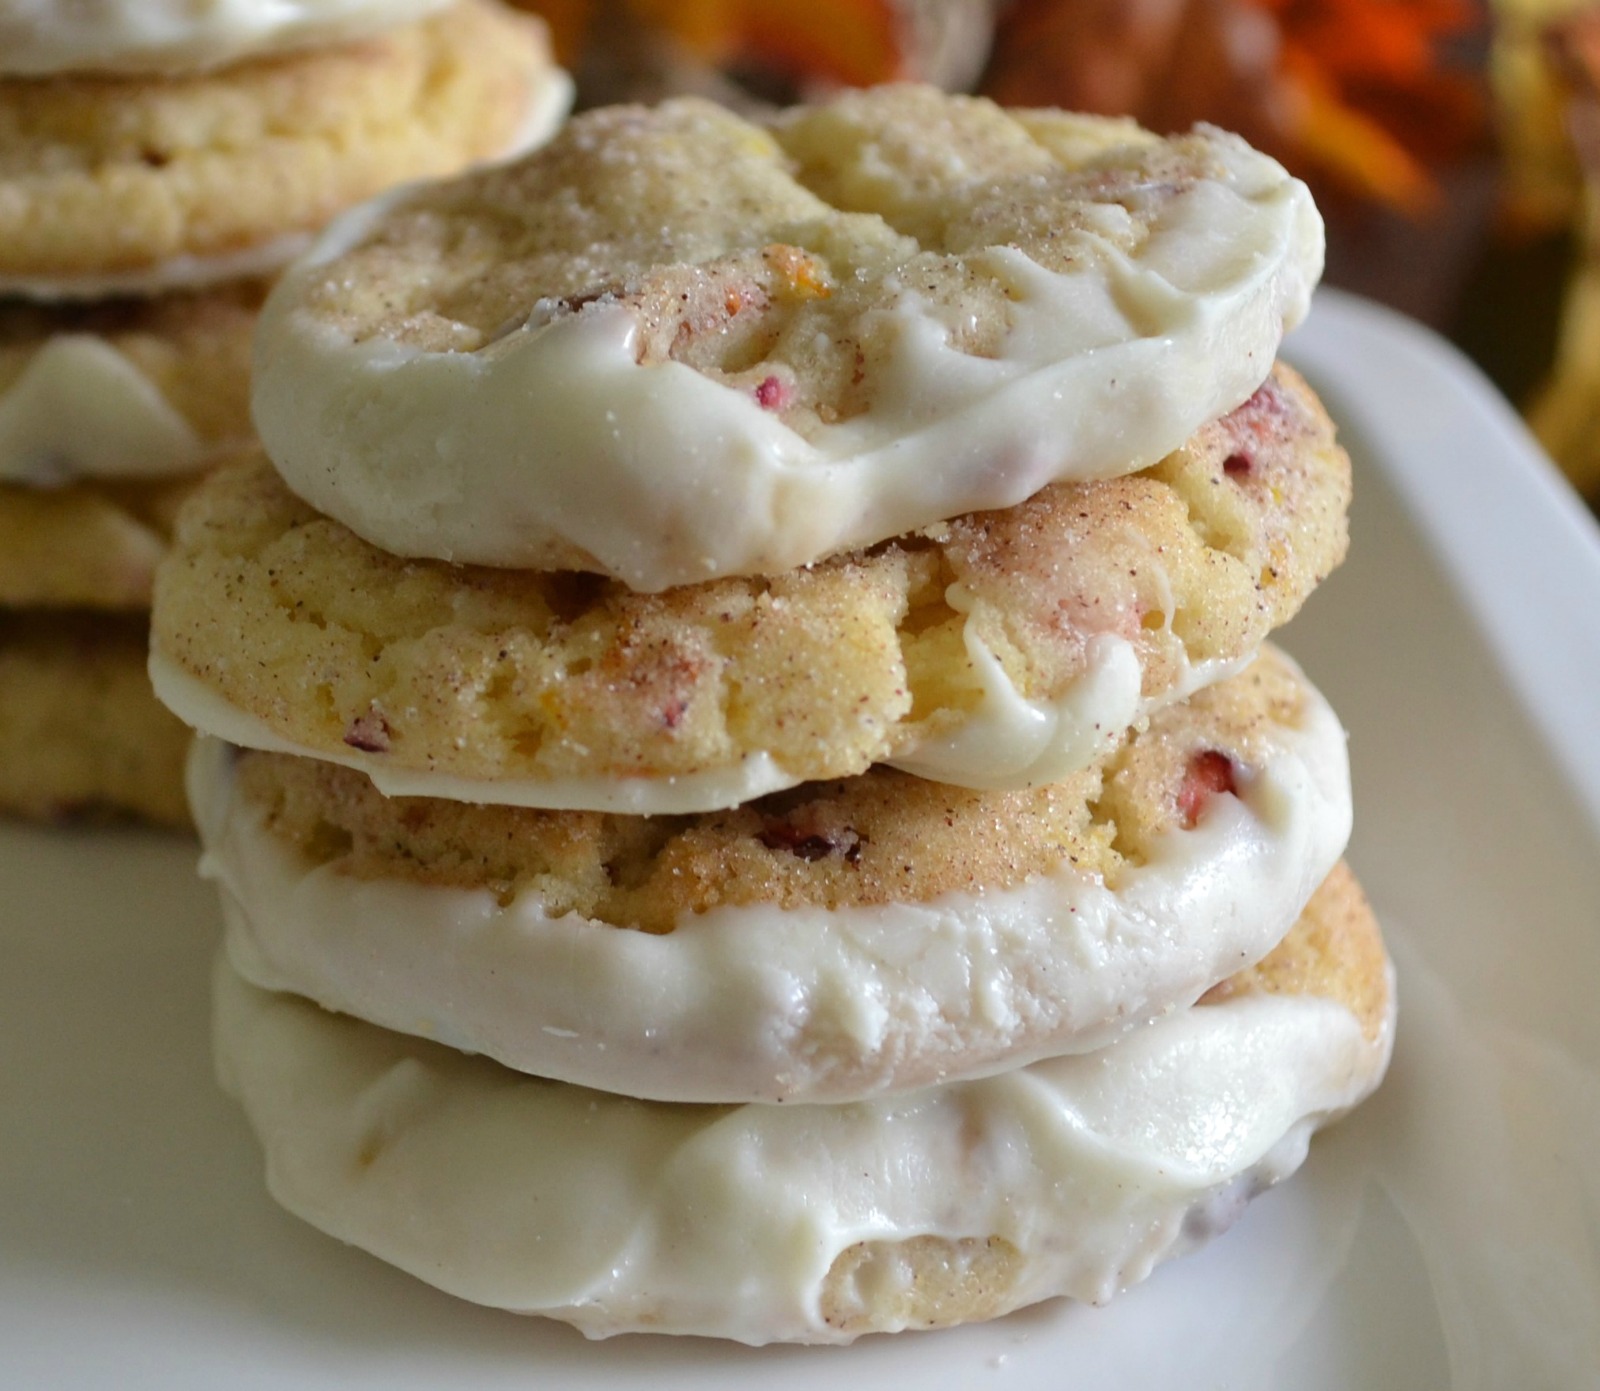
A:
(1447, 1236)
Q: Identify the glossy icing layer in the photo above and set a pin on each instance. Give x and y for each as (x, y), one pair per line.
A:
(554, 439)
(757, 1002)
(43, 38)
(619, 1215)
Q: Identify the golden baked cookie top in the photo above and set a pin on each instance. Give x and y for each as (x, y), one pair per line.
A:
(132, 184)
(674, 345)
(1001, 649)
(834, 941)
(46, 38)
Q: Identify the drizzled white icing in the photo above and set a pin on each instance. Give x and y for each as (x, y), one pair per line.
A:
(81, 409)
(1008, 741)
(40, 38)
(555, 436)
(619, 1215)
(1004, 741)
(766, 1003)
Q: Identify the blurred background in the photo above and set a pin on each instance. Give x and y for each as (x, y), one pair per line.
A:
(1454, 145)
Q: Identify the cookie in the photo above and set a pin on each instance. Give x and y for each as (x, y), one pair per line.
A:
(46, 39)
(125, 389)
(80, 733)
(106, 410)
(809, 1223)
(141, 183)
(840, 940)
(674, 345)
(92, 545)
(1002, 649)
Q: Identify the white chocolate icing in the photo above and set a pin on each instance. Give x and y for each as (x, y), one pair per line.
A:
(43, 38)
(555, 437)
(1006, 741)
(757, 1002)
(619, 1215)
(81, 409)
(176, 273)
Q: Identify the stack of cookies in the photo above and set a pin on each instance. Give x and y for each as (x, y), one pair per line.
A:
(747, 788)
(158, 160)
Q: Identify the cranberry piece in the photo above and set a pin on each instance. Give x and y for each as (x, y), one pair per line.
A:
(1209, 772)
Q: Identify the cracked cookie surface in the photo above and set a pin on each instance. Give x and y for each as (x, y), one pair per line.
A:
(590, 695)
(882, 837)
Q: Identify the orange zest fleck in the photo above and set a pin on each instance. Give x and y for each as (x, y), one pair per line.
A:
(802, 274)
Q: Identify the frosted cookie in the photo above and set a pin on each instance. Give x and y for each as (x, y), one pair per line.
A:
(110, 185)
(838, 941)
(46, 38)
(80, 732)
(1000, 650)
(92, 545)
(128, 389)
(811, 1223)
(673, 345)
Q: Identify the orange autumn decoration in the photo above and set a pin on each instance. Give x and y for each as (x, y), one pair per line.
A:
(1357, 91)
(820, 43)
(851, 42)
(1357, 94)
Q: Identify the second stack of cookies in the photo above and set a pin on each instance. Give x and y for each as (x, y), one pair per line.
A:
(783, 625)
(160, 163)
